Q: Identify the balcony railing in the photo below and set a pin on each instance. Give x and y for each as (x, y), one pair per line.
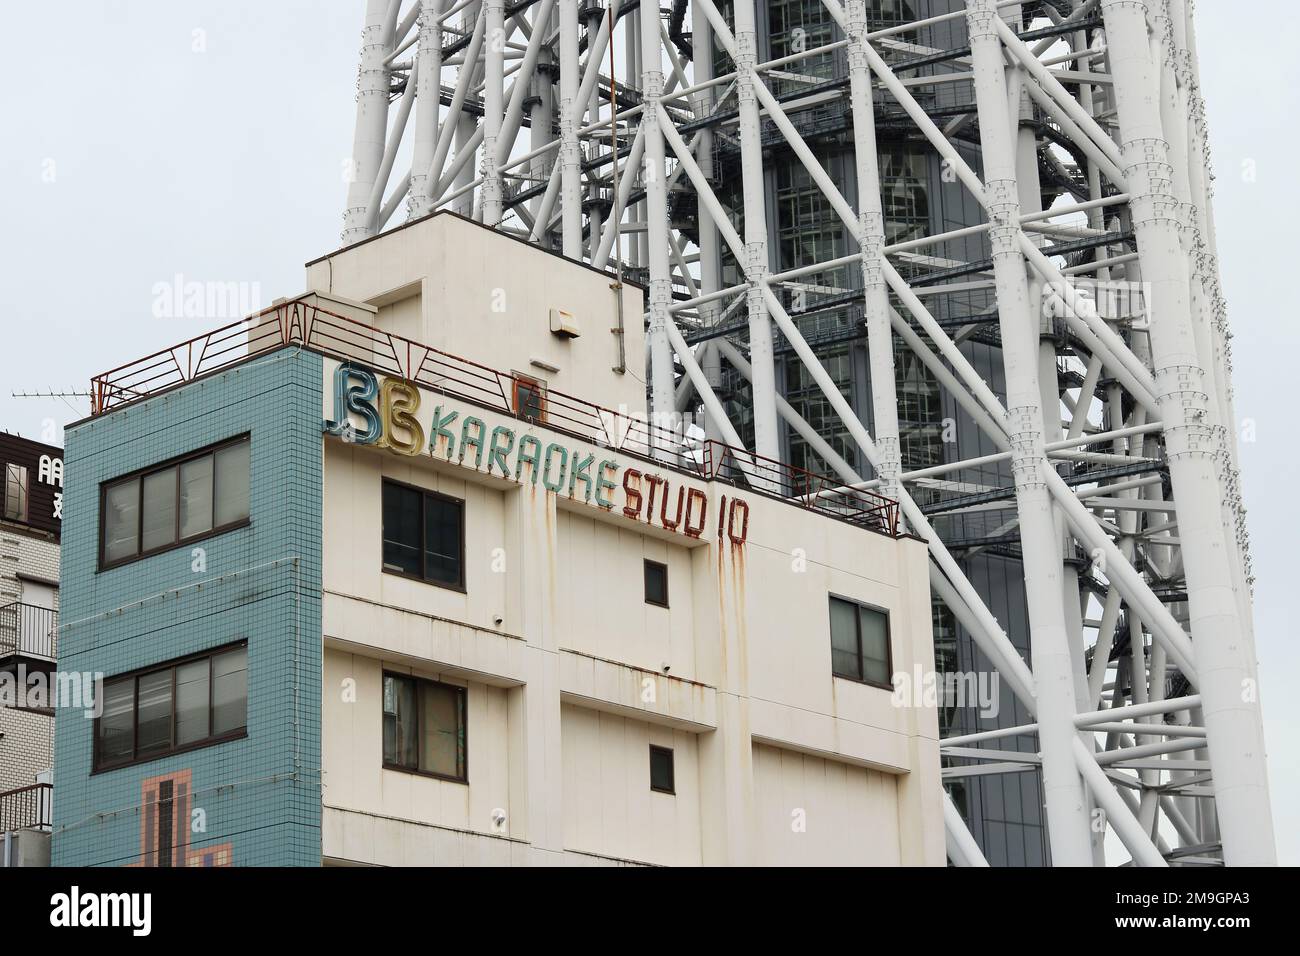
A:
(27, 630)
(819, 493)
(301, 322)
(27, 807)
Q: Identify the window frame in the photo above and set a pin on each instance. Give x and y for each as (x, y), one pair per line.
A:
(672, 770)
(535, 385)
(386, 568)
(96, 762)
(857, 624)
(645, 572)
(139, 476)
(462, 694)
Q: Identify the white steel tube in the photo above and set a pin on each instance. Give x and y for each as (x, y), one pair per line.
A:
(871, 243)
(570, 157)
(756, 255)
(372, 117)
(1231, 717)
(1067, 808)
(494, 49)
(662, 408)
(428, 79)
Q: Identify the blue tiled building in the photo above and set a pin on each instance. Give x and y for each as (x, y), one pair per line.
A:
(212, 792)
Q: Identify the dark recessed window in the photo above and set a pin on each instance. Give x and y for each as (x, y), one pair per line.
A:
(661, 770)
(424, 727)
(529, 400)
(173, 707)
(656, 583)
(424, 535)
(859, 642)
(174, 503)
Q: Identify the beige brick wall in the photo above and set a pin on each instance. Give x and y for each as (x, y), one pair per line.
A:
(26, 748)
(26, 739)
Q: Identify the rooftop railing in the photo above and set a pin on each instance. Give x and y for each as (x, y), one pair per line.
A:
(301, 322)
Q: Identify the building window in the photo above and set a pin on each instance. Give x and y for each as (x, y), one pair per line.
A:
(656, 583)
(190, 703)
(424, 535)
(661, 770)
(202, 494)
(529, 398)
(424, 727)
(860, 643)
(16, 492)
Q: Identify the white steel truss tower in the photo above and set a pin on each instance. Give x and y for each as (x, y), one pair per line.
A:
(594, 128)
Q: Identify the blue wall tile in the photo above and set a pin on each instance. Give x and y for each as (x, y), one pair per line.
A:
(259, 797)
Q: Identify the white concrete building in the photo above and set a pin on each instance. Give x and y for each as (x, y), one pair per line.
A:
(569, 645)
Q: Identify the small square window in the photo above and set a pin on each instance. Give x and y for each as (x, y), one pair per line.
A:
(860, 643)
(529, 400)
(661, 770)
(656, 583)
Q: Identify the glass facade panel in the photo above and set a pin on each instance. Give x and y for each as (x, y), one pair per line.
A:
(116, 730)
(196, 496)
(442, 730)
(874, 630)
(401, 743)
(232, 478)
(121, 520)
(15, 492)
(192, 690)
(807, 398)
(443, 535)
(158, 528)
(795, 26)
(154, 714)
(230, 691)
(845, 661)
(402, 529)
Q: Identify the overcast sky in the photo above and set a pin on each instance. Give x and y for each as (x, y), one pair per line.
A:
(150, 139)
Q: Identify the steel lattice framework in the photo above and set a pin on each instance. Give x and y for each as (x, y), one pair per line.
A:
(1118, 426)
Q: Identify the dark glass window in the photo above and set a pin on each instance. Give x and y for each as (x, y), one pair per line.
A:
(201, 699)
(16, 492)
(424, 535)
(859, 642)
(656, 583)
(174, 503)
(661, 770)
(424, 727)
